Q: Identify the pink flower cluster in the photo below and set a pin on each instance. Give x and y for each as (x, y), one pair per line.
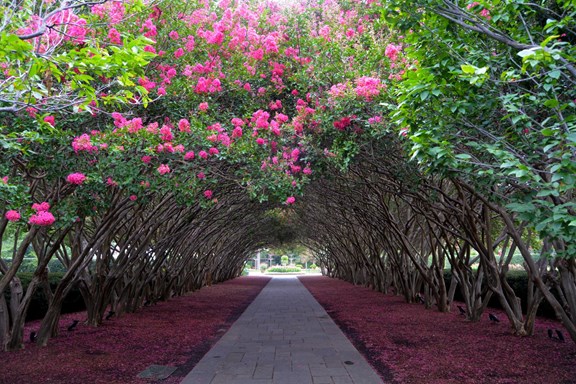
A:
(76, 178)
(163, 169)
(83, 143)
(368, 87)
(12, 215)
(392, 51)
(42, 217)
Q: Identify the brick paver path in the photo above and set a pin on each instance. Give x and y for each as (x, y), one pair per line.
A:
(283, 337)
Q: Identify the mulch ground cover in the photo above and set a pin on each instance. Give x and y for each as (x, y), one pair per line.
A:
(407, 343)
(176, 333)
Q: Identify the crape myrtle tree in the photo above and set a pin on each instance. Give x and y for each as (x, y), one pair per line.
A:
(491, 106)
(138, 139)
(123, 121)
(486, 105)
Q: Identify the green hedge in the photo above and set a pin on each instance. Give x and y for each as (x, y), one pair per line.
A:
(39, 304)
(518, 280)
(284, 269)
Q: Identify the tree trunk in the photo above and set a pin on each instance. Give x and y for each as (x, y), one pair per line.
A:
(19, 317)
(4, 321)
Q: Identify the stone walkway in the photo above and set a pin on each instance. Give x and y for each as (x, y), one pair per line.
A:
(283, 337)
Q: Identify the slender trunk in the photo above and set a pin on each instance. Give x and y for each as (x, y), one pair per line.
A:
(4, 320)
(19, 317)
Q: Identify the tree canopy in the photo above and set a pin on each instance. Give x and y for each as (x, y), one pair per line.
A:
(153, 147)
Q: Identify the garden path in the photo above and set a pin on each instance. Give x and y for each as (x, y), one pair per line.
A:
(283, 337)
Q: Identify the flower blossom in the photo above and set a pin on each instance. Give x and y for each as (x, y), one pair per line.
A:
(290, 200)
(163, 169)
(12, 215)
(42, 218)
(76, 178)
(39, 207)
(392, 51)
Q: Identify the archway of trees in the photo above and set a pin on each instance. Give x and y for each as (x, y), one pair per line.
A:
(153, 147)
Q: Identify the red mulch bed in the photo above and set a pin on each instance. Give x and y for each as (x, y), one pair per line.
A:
(177, 333)
(408, 344)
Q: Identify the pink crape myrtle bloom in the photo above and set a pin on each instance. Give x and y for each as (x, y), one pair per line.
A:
(76, 178)
(39, 207)
(208, 194)
(237, 122)
(184, 125)
(368, 87)
(203, 106)
(163, 169)
(189, 155)
(290, 200)
(392, 51)
(203, 154)
(146, 159)
(201, 175)
(49, 120)
(42, 218)
(133, 197)
(12, 215)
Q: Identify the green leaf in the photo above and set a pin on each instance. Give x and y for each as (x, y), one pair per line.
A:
(467, 68)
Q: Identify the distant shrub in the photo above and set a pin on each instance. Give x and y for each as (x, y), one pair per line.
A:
(284, 269)
(313, 266)
(263, 267)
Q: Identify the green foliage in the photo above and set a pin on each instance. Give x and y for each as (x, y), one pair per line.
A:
(498, 114)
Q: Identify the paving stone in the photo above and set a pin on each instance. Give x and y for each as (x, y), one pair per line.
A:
(157, 372)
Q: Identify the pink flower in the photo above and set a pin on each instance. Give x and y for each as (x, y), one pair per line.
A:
(4, 180)
(247, 87)
(237, 132)
(161, 91)
(146, 159)
(208, 194)
(201, 175)
(189, 155)
(42, 218)
(179, 53)
(163, 169)
(203, 154)
(173, 35)
(111, 183)
(485, 13)
(133, 197)
(260, 141)
(166, 133)
(184, 125)
(76, 178)
(213, 151)
(392, 51)
(49, 120)
(203, 106)
(114, 36)
(12, 215)
(237, 122)
(368, 87)
(290, 200)
(39, 207)
(83, 143)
